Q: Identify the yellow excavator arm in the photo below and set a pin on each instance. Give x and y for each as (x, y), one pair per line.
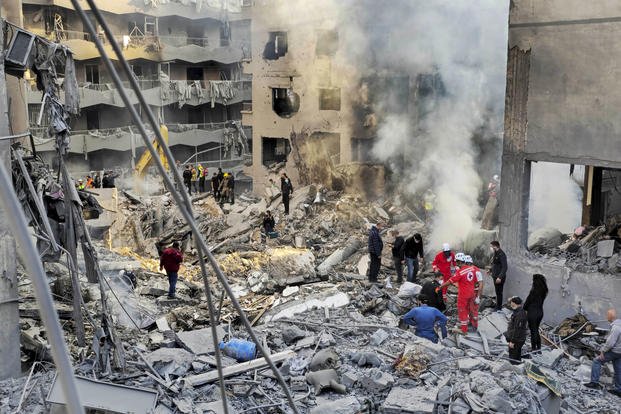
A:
(145, 158)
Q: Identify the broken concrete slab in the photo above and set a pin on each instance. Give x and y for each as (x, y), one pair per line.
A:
(605, 248)
(324, 300)
(375, 380)
(379, 337)
(493, 325)
(290, 290)
(338, 256)
(544, 239)
(548, 357)
(419, 400)
(470, 364)
(170, 361)
(199, 342)
(99, 395)
(348, 405)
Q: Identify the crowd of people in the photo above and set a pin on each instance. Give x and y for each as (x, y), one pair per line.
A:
(95, 180)
(451, 268)
(221, 184)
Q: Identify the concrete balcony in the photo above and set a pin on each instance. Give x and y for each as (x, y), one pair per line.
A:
(155, 48)
(160, 93)
(120, 139)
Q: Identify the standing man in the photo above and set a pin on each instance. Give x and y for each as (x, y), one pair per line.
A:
(195, 179)
(215, 190)
(171, 261)
(516, 330)
(498, 271)
(413, 249)
(201, 178)
(286, 188)
(467, 279)
(444, 262)
(397, 257)
(425, 318)
(375, 251)
(231, 188)
(187, 178)
(611, 351)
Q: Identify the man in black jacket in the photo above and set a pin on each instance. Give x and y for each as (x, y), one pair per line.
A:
(397, 257)
(516, 330)
(286, 188)
(412, 249)
(498, 271)
(429, 291)
(375, 245)
(187, 178)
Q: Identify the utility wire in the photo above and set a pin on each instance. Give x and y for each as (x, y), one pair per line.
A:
(182, 198)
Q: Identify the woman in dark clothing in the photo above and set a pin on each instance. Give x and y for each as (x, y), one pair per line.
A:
(534, 308)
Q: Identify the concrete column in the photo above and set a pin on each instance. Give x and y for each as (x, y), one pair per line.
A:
(15, 87)
(10, 366)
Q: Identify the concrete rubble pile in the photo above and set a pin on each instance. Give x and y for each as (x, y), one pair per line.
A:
(337, 340)
(587, 249)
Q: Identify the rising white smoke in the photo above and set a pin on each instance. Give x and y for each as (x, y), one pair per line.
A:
(464, 44)
(555, 198)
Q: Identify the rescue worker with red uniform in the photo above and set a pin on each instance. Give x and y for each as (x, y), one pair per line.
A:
(467, 278)
(444, 262)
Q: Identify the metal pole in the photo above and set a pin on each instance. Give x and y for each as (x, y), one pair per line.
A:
(10, 366)
(19, 227)
(182, 200)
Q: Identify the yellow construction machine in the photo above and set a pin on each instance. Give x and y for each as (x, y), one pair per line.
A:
(145, 158)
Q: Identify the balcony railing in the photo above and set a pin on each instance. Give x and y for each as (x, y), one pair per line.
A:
(41, 131)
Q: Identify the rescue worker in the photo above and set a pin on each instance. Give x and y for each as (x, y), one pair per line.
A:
(434, 298)
(215, 187)
(80, 186)
(425, 318)
(478, 291)
(171, 260)
(375, 246)
(201, 178)
(610, 352)
(224, 188)
(286, 188)
(187, 178)
(444, 262)
(498, 271)
(466, 279)
(89, 182)
(412, 250)
(516, 330)
(397, 257)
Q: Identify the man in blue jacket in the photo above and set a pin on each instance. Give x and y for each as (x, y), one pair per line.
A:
(425, 318)
(375, 251)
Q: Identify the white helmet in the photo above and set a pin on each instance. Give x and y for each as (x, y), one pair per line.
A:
(446, 247)
(468, 259)
(460, 257)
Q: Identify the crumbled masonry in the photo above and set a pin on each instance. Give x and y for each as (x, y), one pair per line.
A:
(336, 338)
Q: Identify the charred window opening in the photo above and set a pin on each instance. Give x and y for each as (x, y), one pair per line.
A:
(276, 46)
(92, 119)
(573, 214)
(285, 102)
(362, 149)
(330, 99)
(194, 73)
(429, 88)
(92, 73)
(274, 150)
(327, 43)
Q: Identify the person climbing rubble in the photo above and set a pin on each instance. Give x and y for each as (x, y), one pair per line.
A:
(434, 297)
(516, 330)
(444, 262)
(286, 189)
(425, 318)
(498, 271)
(375, 245)
(170, 261)
(412, 250)
(397, 257)
(268, 223)
(610, 352)
(467, 278)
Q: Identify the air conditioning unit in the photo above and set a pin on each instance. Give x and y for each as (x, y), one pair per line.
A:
(20, 47)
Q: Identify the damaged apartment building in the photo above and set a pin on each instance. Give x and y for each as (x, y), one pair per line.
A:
(304, 104)
(187, 58)
(561, 106)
